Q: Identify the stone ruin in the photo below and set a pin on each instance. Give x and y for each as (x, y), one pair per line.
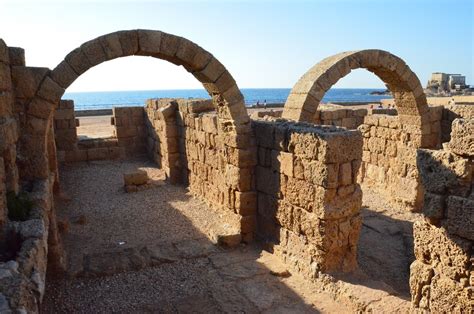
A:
(292, 183)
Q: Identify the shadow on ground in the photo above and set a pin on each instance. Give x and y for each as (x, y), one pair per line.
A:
(150, 252)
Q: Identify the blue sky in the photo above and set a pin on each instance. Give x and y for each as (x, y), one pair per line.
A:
(262, 43)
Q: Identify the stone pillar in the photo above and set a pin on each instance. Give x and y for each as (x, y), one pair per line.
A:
(308, 197)
(442, 276)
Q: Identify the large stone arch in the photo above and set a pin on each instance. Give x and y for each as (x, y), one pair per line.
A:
(405, 86)
(219, 83)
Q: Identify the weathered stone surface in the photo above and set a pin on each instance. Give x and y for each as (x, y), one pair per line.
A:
(17, 56)
(138, 177)
(462, 137)
(460, 216)
(149, 42)
(64, 74)
(26, 80)
(443, 172)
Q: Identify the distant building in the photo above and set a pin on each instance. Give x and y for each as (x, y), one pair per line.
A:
(442, 83)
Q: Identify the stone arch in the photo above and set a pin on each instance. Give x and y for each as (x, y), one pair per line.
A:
(405, 86)
(390, 155)
(218, 82)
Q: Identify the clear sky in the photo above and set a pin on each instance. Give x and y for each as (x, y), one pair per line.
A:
(262, 43)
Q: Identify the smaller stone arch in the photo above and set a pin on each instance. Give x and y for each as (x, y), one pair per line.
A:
(405, 86)
(390, 143)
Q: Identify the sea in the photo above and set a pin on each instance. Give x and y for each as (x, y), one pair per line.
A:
(107, 100)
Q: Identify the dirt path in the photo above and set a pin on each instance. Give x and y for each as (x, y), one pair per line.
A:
(150, 251)
(385, 249)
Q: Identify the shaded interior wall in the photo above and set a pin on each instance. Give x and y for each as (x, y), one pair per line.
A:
(389, 156)
(162, 140)
(308, 196)
(442, 276)
(65, 126)
(130, 129)
(9, 176)
(23, 276)
(187, 140)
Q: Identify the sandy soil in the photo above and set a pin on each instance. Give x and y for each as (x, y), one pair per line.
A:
(95, 127)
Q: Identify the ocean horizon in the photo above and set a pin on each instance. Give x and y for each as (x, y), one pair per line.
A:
(109, 99)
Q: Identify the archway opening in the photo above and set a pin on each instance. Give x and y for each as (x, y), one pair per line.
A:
(388, 173)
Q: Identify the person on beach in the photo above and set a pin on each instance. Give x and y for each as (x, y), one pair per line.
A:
(264, 103)
(380, 106)
(258, 103)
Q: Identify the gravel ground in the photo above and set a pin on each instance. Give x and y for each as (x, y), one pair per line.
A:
(385, 249)
(150, 251)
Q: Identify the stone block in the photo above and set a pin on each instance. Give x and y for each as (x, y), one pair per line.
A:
(4, 55)
(345, 173)
(138, 177)
(443, 172)
(78, 61)
(5, 77)
(213, 70)
(26, 80)
(111, 46)
(64, 74)
(264, 133)
(246, 203)
(209, 124)
(94, 52)
(448, 254)
(319, 173)
(462, 137)
(129, 42)
(433, 206)
(340, 147)
(282, 162)
(50, 91)
(267, 181)
(238, 178)
(460, 216)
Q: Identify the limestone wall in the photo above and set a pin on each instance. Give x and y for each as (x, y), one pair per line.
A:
(348, 118)
(190, 144)
(389, 157)
(129, 135)
(130, 129)
(162, 140)
(442, 276)
(308, 197)
(451, 112)
(65, 126)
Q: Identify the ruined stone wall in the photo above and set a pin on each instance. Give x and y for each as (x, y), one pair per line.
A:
(65, 126)
(130, 134)
(162, 140)
(186, 139)
(451, 112)
(308, 197)
(389, 156)
(347, 118)
(130, 129)
(442, 276)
